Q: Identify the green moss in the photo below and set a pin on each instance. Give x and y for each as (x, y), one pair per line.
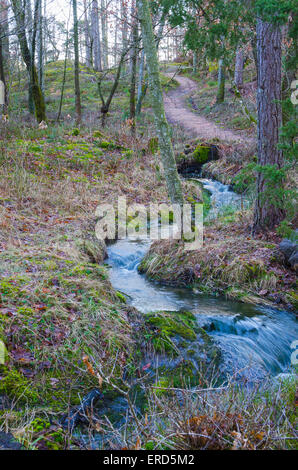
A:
(39, 424)
(292, 298)
(15, 385)
(153, 145)
(121, 297)
(255, 270)
(206, 202)
(168, 325)
(25, 311)
(150, 445)
(173, 323)
(9, 289)
(89, 269)
(98, 134)
(163, 383)
(128, 154)
(183, 374)
(201, 154)
(50, 265)
(106, 145)
(41, 435)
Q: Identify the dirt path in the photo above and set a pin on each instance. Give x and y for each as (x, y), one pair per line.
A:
(177, 112)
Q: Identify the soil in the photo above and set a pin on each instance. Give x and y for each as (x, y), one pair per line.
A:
(197, 126)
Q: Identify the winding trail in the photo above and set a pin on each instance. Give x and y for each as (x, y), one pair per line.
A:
(177, 112)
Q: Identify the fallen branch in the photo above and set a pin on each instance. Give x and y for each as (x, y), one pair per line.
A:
(75, 415)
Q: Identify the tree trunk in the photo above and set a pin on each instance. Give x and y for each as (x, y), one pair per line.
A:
(290, 70)
(195, 63)
(104, 31)
(4, 49)
(40, 49)
(255, 52)
(239, 67)
(124, 29)
(269, 204)
(140, 82)
(220, 97)
(133, 76)
(4, 23)
(107, 103)
(88, 51)
(162, 127)
(95, 37)
(2, 74)
(29, 28)
(76, 63)
(64, 74)
(143, 87)
(38, 99)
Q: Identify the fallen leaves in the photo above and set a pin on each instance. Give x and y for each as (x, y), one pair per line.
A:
(22, 356)
(88, 364)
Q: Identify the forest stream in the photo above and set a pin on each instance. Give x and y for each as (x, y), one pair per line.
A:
(256, 338)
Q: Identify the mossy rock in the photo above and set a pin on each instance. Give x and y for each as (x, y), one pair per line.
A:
(201, 154)
(173, 323)
(182, 374)
(192, 160)
(185, 348)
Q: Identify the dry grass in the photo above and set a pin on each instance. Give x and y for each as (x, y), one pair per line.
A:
(213, 418)
(230, 262)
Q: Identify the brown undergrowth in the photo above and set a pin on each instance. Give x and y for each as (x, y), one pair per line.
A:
(231, 262)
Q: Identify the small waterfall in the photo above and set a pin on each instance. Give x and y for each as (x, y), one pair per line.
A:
(254, 337)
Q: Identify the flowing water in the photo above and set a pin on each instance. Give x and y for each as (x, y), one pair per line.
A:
(252, 337)
(222, 198)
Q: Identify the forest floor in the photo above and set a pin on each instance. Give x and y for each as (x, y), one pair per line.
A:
(59, 315)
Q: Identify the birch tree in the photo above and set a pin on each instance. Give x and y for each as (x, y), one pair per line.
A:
(162, 127)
